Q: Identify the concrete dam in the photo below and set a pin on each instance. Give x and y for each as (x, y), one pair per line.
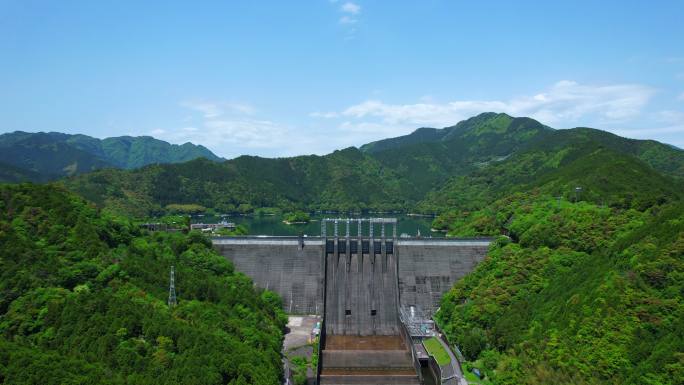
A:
(358, 283)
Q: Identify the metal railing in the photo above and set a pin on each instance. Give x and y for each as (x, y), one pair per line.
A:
(414, 356)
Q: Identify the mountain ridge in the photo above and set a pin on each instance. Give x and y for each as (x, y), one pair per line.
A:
(51, 155)
(485, 157)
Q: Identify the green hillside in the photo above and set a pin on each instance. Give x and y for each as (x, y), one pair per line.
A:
(13, 174)
(83, 301)
(491, 137)
(453, 151)
(346, 179)
(605, 177)
(583, 295)
(433, 171)
(585, 287)
(133, 152)
(46, 156)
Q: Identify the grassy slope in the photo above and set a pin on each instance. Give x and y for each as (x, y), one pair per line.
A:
(436, 350)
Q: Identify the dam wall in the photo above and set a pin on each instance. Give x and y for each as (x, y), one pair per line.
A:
(423, 269)
(358, 284)
(281, 265)
(428, 268)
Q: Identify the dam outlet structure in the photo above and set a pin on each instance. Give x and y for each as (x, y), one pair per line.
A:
(358, 280)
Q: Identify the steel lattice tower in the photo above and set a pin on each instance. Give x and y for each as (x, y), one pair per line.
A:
(172, 288)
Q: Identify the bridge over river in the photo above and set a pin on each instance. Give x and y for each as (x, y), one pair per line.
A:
(357, 283)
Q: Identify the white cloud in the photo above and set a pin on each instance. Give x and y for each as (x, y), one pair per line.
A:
(347, 20)
(565, 102)
(669, 117)
(232, 129)
(349, 11)
(232, 136)
(664, 125)
(351, 8)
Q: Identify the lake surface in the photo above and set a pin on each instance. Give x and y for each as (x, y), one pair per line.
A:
(273, 225)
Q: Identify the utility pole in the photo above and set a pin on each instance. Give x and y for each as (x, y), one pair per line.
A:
(172, 289)
(578, 190)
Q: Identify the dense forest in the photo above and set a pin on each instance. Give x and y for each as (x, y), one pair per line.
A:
(83, 300)
(431, 171)
(43, 156)
(584, 284)
(579, 293)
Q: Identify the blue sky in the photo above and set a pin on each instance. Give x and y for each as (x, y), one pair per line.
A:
(283, 78)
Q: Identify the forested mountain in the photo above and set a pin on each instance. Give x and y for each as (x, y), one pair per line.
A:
(344, 179)
(45, 156)
(428, 157)
(83, 301)
(491, 138)
(459, 167)
(605, 176)
(582, 286)
(580, 294)
(13, 174)
(587, 288)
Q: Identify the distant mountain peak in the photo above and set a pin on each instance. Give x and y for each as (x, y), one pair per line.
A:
(497, 124)
(54, 154)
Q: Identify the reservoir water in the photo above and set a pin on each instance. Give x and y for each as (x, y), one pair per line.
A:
(273, 225)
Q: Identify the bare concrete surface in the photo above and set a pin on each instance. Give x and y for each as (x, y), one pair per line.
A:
(427, 268)
(299, 331)
(297, 342)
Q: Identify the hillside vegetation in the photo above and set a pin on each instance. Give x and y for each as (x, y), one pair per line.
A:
(461, 167)
(582, 294)
(584, 285)
(83, 301)
(46, 156)
(343, 180)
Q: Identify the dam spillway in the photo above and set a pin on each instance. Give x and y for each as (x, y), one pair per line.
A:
(358, 283)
